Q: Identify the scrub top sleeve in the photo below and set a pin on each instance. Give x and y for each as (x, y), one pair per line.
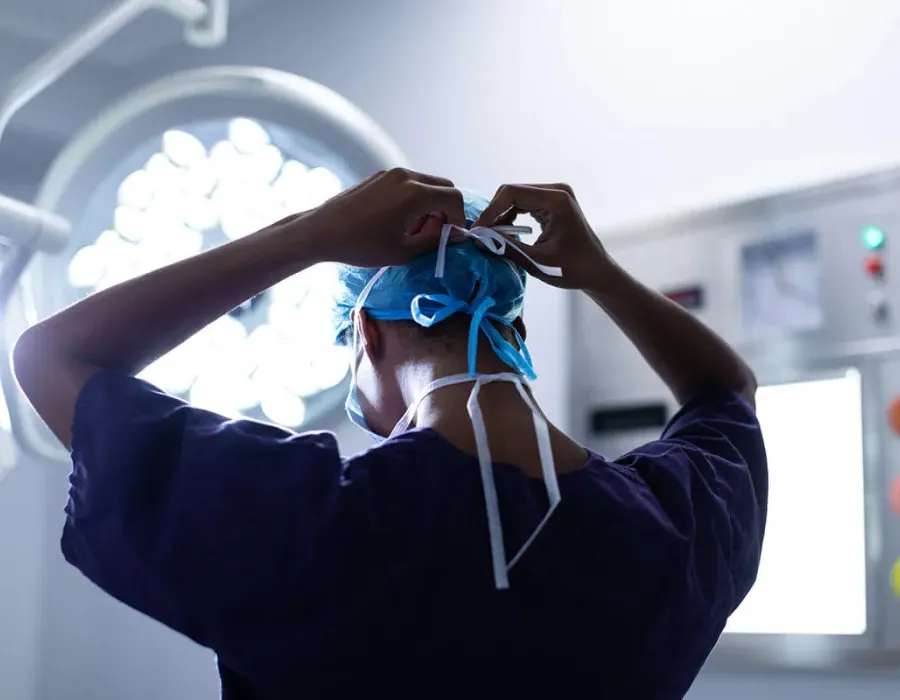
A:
(203, 523)
(708, 474)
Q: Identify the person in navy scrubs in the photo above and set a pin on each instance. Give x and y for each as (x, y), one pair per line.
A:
(475, 547)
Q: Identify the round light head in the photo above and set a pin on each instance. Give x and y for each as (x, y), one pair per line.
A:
(190, 163)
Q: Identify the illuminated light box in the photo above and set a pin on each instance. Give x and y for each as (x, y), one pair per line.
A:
(812, 579)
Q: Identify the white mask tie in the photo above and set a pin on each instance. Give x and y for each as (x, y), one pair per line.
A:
(548, 468)
(494, 240)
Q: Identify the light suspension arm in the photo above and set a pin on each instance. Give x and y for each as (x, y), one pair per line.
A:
(37, 77)
(26, 229)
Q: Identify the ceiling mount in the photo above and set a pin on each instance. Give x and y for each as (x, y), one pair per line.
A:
(210, 30)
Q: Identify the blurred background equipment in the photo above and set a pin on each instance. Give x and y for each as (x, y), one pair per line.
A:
(802, 284)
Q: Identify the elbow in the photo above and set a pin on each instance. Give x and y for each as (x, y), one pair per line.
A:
(26, 361)
(35, 362)
(50, 381)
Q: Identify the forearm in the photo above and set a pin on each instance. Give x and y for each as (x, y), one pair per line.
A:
(130, 325)
(687, 355)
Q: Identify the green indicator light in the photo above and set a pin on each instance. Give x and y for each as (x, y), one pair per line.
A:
(872, 237)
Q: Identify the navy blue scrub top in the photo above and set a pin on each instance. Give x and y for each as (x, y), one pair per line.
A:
(313, 576)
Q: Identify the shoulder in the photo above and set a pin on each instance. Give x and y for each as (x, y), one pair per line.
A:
(707, 478)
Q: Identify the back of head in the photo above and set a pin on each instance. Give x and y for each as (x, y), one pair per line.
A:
(486, 292)
(487, 288)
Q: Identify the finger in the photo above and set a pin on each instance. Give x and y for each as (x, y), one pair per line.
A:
(415, 226)
(428, 235)
(525, 199)
(508, 218)
(525, 256)
(541, 217)
(433, 224)
(554, 186)
(405, 174)
(445, 199)
(432, 180)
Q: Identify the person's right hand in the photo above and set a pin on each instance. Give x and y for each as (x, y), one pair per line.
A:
(566, 239)
(387, 219)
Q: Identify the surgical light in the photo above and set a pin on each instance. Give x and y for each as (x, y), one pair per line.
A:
(205, 184)
(192, 162)
(28, 230)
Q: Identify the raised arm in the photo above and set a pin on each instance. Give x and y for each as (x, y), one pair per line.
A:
(685, 353)
(383, 221)
(688, 356)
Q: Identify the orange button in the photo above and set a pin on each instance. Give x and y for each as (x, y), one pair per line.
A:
(874, 265)
(894, 495)
(894, 415)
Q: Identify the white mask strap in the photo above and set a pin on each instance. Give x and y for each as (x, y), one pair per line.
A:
(485, 462)
(494, 240)
(408, 417)
(548, 468)
(357, 329)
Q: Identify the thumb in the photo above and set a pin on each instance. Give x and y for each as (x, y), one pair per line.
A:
(489, 219)
(529, 257)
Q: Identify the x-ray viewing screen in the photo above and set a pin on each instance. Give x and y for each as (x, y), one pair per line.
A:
(812, 579)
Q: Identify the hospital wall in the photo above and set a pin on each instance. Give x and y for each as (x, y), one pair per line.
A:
(645, 107)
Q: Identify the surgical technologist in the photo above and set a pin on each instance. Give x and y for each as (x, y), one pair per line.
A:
(476, 547)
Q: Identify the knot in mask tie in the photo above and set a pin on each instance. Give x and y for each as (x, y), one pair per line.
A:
(495, 240)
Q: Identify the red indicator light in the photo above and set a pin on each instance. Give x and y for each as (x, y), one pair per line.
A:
(874, 265)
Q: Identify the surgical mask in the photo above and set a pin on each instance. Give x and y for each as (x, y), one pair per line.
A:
(352, 404)
(354, 412)
(495, 242)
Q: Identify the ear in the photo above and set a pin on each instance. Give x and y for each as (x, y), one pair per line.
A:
(519, 325)
(371, 336)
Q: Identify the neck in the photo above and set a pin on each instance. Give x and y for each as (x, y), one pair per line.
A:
(447, 407)
(503, 410)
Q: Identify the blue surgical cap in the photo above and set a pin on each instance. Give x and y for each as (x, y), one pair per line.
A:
(488, 287)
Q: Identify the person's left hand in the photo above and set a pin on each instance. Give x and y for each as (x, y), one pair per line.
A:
(388, 219)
